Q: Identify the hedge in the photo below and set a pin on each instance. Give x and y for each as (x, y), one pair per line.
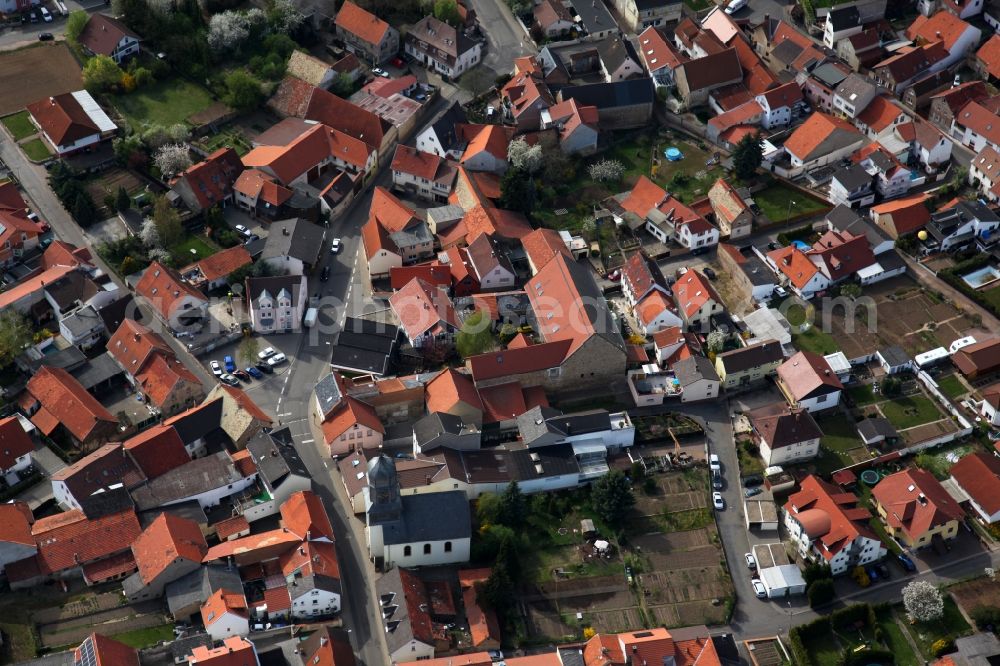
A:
(846, 618)
(798, 636)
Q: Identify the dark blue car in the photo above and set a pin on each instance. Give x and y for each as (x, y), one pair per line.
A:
(906, 563)
(254, 372)
(229, 363)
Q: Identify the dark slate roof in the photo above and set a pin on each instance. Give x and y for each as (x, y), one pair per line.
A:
(757, 271)
(611, 95)
(191, 510)
(364, 345)
(328, 393)
(181, 648)
(571, 656)
(68, 359)
(869, 429)
(782, 425)
(852, 177)
(199, 585)
(894, 355)
(737, 360)
(844, 18)
(200, 422)
(190, 479)
(389, 589)
(444, 127)
(695, 368)
(786, 52)
(594, 16)
(105, 503)
(843, 218)
(82, 321)
(436, 424)
(826, 73)
(294, 237)
(421, 519)
(96, 371)
(276, 457)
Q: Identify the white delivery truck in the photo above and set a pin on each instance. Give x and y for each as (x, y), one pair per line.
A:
(310, 318)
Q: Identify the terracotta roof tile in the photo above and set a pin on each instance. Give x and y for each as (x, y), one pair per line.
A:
(102, 34)
(692, 291)
(542, 244)
(73, 539)
(157, 450)
(421, 308)
(211, 180)
(303, 514)
(916, 502)
(807, 375)
(348, 413)
(434, 274)
(14, 442)
(234, 651)
(15, 524)
(978, 118)
(524, 360)
(810, 136)
(105, 651)
(829, 515)
(448, 389)
(312, 558)
(979, 475)
(390, 213)
(942, 26)
(908, 214)
(658, 50)
(221, 602)
(339, 114)
(794, 264)
(164, 288)
(166, 540)
(64, 399)
(63, 119)
(362, 24)
(220, 264)
(230, 526)
(881, 113)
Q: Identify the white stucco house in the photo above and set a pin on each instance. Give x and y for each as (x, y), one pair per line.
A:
(277, 304)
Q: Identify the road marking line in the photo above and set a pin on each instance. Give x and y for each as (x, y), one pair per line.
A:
(286, 414)
(307, 441)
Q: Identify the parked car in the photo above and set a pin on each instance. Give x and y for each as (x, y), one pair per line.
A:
(335, 246)
(758, 588)
(709, 273)
(324, 274)
(906, 563)
(750, 560)
(242, 230)
(265, 352)
(718, 502)
(713, 462)
(242, 375)
(716, 480)
(753, 480)
(255, 373)
(780, 292)
(45, 37)
(276, 359)
(265, 368)
(46, 14)
(216, 368)
(229, 363)
(883, 571)
(735, 6)
(229, 379)
(397, 62)
(495, 655)
(378, 71)
(750, 492)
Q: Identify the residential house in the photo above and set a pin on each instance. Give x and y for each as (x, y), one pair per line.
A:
(439, 430)
(577, 126)
(821, 140)
(659, 55)
(755, 282)
(930, 147)
(234, 651)
(978, 475)
(541, 245)
(877, 432)
(104, 35)
(293, 246)
(328, 646)
(15, 450)
(71, 122)
(553, 18)
(620, 105)
(277, 304)
(196, 425)
(829, 527)
(880, 120)
(210, 182)
(741, 367)
(278, 464)
(807, 381)
(442, 48)
(987, 60)
(957, 36)
(978, 359)
(207, 480)
(544, 426)
(647, 204)
(423, 174)
(186, 595)
(426, 314)
(493, 270)
(852, 186)
(454, 393)
(54, 400)
(946, 105)
(862, 49)
(351, 425)
(176, 303)
(92, 477)
(171, 547)
(213, 271)
(890, 177)
(976, 127)
(225, 615)
(821, 83)
(841, 23)
(366, 347)
(984, 173)
(637, 15)
(732, 214)
(656, 311)
(902, 69)
(262, 195)
(918, 96)
(698, 379)
(525, 95)
(640, 276)
(696, 78)
(407, 529)
(103, 651)
(916, 508)
(241, 418)
(366, 35)
(486, 146)
(902, 216)
(405, 609)
(312, 70)
(484, 626)
(593, 20)
(313, 582)
(440, 137)
(18, 234)
(152, 368)
(784, 434)
(853, 95)
(777, 104)
(156, 450)
(696, 298)
(961, 225)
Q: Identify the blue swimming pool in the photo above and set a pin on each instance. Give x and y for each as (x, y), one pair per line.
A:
(981, 277)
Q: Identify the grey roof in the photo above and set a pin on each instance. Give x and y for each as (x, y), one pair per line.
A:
(946, 221)
(835, 140)
(757, 271)
(190, 510)
(97, 371)
(855, 85)
(786, 52)
(328, 393)
(693, 369)
(306, 583)
(444, 127)
(890, 261)
(979, 649)
(444, 216)
(594, 16)
(533, 425)
(614, 52)
(737, 360)
(571, 656)
(392, 595)
(843, 218)
(105, 503)
(57, 659)
(200, 422)
(541, 425)
(256, 286)
(827, 73)
(421, 519)
(547, 461)
(196, 587)
(869, 429)
(852, 177)
(276, 457)
(69, 359)
(82, 321)
(415, 234)
(844, 17)
(646, 5)
(365, 346)
(190, 479)
(611, 95)
(894, 356)
(181, 648)
(441, 424)
(296, 238)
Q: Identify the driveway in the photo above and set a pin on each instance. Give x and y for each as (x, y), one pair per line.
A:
(505, 38)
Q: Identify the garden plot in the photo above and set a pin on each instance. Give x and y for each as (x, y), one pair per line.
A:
(53, 71)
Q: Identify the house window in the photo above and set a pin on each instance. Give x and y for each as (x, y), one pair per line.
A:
(427, 549)
(407, 551)
(447, 546)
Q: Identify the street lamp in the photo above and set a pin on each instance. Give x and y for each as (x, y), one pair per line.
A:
(788, 214)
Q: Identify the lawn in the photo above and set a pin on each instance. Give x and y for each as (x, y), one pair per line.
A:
(776, 202)
(893, 637)
(815, 340)
(952, 386)
(165, 103)
(992, 296)
(143, 638)
(682, 521)
(952, 626)
(825, 651)
(202, 248)
(862, 395)
(36, 150)
(19, 125)
(839, 436)
(910, 411)
(695, 178)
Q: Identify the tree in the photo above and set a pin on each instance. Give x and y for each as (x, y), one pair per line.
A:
(227, 31)
(242, 91)
(488, 509)
(923, 602)
(171, 159)
(283, 17)
(517, 191)
(168, 223)
(15, 335)
(612, 497)
(101, 73)
(476, 336)
(815, 571)
(84, 210)
(343, 85)
(851, 290)
(986, 618)
(716, 341)
(149, 234)
(246, 352)
(447, 11)
(821, 592)
(747, 156)
(75, 24)
(511, 509)
(122, 201)
(606, 170)
(507, 556)
(523, 157)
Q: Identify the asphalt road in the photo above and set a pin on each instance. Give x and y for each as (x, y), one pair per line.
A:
(505, 38)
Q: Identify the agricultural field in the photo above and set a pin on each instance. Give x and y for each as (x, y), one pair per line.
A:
(53, 71)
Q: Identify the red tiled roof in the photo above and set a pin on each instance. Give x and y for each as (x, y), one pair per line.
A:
(907, 64)
(168, 539)
(641, 274)
(332, 111)
(652, 306)
(157, 450)
(980, 120)
(829, 515)
(391, 213)
(234, 651)
(255, 184)
(494, 139)
(692, 291)
(417, 163)
(942, 26)
(956, 98)
(807, 375)
(908, 214)
(348, 413)
(507, 401)
(317, 143)
(63, 398)
(362, 24)
(376, 238)
(14, 442)
(979, 475)
(15, 524)
(979, 358)
(254, 548)
(312, 558)
(421, 308)
(434, 274)
(794, 264)
(102, 34)
(842, 253)
(211, 180)
(658, 50)
(603, 650)
(164, 288)
(63, 119)
(783, 95)
(61, 253)
(523, 360)
(495, 222)
(230, 526)
(277, 600)
(448, 389)
(105, 651)
(810, 135)
(69, 539)
(221, 602)
(303, 514)
(542, 244)
(916, 502)
(221, 264)
(243, 402)
(880, 114)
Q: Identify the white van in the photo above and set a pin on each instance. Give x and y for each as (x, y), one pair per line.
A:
(310, 319)
(735, 6)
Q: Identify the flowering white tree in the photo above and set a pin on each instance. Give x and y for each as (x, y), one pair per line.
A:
(606, 170)
(149, 234)
(160, 255)
(524, 157)
(283, 16)
(172, 159)
(923, 601)
(179, 133)
(228, 30)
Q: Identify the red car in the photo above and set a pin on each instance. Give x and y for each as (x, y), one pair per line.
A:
(397, 62)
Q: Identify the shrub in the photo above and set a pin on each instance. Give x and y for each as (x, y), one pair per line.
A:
(986, 617)
(942, 646)
(821, 592)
